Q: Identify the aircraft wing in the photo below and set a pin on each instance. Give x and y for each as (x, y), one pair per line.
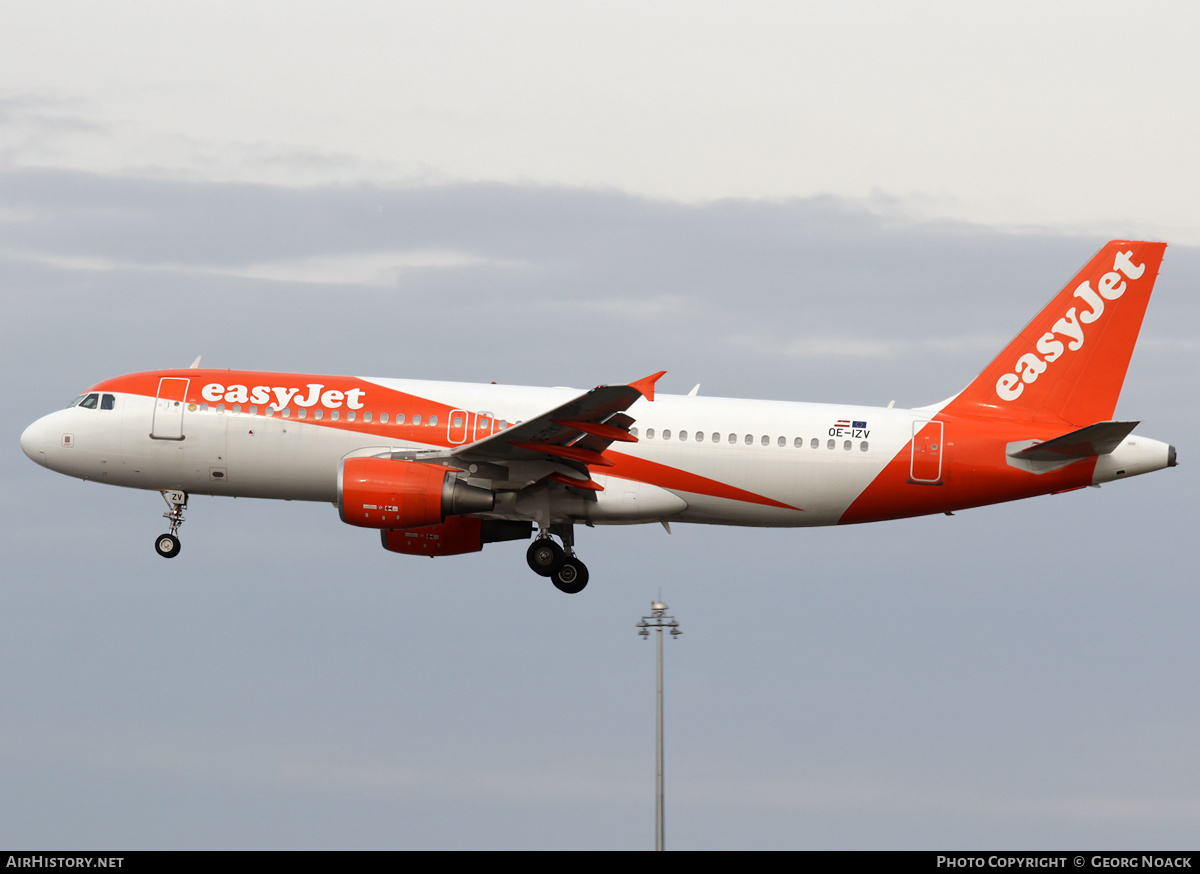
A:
(574, 434)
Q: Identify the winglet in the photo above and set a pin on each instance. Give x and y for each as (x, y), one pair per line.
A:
(646, 385)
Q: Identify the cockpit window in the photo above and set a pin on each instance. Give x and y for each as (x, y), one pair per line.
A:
(88, 401)
(107, 401)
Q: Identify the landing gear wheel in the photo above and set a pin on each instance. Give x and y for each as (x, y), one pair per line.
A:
(167, 545)
(544, 556)
(571, 576)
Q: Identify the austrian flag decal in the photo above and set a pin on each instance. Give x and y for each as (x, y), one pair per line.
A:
(850, 428)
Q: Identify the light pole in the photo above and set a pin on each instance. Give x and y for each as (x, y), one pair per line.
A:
(658, 619)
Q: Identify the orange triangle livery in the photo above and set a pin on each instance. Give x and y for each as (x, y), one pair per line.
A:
(444, 468)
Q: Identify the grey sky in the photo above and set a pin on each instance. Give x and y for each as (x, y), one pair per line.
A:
(1073, 114)
(1014, 676)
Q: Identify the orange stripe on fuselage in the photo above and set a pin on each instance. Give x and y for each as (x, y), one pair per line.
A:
(365, 397)
(975, 472)
(376, 399)
(674, 479)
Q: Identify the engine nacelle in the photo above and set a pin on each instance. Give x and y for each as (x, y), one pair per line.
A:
(458, 534)
(382, 493)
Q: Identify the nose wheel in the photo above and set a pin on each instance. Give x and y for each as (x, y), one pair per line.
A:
(167, 545)
(546, 558)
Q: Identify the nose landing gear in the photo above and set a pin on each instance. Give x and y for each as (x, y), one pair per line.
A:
(546, 558)
(167, 545)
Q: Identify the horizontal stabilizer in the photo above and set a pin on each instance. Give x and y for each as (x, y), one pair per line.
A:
(1094, 440)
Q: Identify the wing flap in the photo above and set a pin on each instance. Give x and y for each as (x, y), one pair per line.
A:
(578, 431)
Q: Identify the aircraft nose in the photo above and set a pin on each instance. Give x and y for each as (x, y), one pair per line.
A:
(33, 441)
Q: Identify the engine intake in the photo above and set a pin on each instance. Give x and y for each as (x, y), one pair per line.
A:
(383, 493)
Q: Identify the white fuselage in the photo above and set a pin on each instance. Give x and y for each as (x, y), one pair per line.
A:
(800, 464)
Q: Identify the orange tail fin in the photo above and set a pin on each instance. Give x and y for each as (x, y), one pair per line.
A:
(1069, 363)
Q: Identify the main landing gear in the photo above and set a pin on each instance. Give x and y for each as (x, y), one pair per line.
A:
(167, 545)
(548, 559)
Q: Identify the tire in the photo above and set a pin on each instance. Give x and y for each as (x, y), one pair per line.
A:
(571, 576)
(167, 545)
(544, 556)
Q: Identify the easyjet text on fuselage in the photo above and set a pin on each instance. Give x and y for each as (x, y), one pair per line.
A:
(331, 399)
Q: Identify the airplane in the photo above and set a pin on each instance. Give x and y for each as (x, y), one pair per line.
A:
(443, 468)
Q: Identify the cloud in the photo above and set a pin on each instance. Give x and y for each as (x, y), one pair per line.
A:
(286, 677)
(361, 269)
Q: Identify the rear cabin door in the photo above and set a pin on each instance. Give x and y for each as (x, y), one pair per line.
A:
(168, 409)
(926, 453)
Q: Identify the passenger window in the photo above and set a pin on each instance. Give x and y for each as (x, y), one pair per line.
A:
(287, 412)
(847, 445)
(335, 415)
(302, 413)
(458, 421)
(106, 402)
(699, 436)
(716, 436)
(815, 443)
(633, 431)
(502, 424)
(383, 418)
(318, 414)
(416, 420)
(270, 411)
(832, 444)
(366, 417)
(399, 418)
(766, 441)
(237, 408)
(799, 442)
(863, 446)
(649, 433)
(749, 439)
(683, 435)
(350, 416)
(666, 434)
(220, 408)
(432, 421)
(733, 438)
(89, 402)
(782, 441)
(253, 411)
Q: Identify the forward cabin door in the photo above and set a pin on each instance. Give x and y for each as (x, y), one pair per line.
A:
(926, 464)
(168, 409)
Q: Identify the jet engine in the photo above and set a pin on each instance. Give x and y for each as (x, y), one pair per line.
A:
(382, 493)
